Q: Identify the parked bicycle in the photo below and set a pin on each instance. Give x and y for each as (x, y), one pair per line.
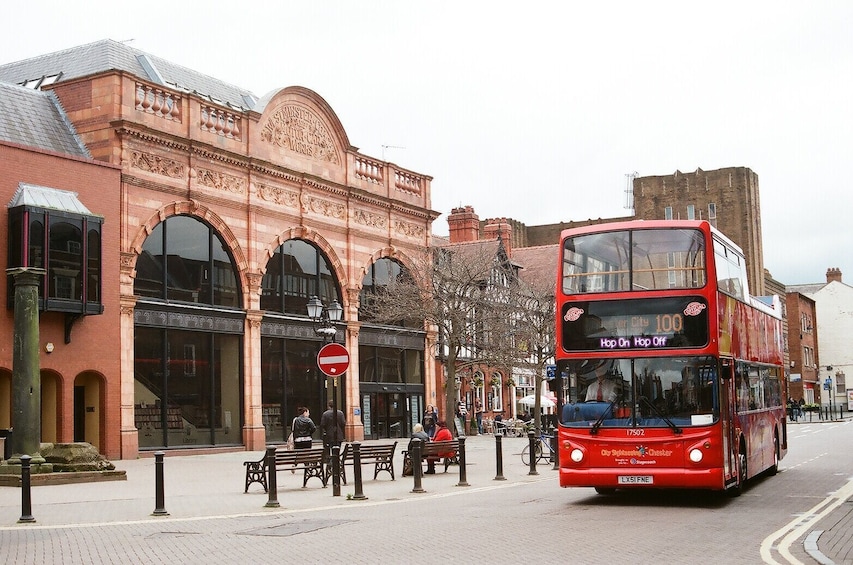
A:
(542, 451)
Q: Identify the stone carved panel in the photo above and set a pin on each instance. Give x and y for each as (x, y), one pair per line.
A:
(302, 131)
(278, 195)
(221, 181)
(369, 219)
(157, 165)
(409, 230)
(323, 207)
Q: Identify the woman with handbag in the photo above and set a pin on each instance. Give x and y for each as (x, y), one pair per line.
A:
(302, 428)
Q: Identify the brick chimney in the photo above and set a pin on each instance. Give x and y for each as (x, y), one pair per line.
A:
(464, 225)
(833, 274)
(499, 227)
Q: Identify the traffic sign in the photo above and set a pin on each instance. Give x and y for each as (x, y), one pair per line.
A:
(333, 359)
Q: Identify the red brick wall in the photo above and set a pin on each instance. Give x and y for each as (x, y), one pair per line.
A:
(95, 341)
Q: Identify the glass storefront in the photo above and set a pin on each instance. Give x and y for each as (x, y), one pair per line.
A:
(291, 379)
(188, 339)
(187, 388)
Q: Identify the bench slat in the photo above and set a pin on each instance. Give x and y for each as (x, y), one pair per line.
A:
(382, 456)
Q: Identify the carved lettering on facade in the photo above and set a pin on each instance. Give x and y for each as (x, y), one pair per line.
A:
(300, 130)
(278, 195)
(157, 165)
(369, 219)
(323, 207)
(409, 230)
(221, 181)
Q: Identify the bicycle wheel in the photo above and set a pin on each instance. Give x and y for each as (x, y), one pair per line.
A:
(539, 452)
(525, 453)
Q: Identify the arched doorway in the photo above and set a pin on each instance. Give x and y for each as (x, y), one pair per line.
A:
(5, 399)
(391, 363)
(88, 408)
(51, 402)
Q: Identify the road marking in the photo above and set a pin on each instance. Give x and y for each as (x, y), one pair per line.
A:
(796, 528)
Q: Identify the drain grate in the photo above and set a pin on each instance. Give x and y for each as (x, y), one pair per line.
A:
(294, 528)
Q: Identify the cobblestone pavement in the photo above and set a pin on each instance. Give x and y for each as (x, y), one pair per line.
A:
(524, 518)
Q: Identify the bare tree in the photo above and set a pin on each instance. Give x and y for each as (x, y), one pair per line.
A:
(533, 331)
(464, 292)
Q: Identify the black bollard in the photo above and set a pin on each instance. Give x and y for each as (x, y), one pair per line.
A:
(272, 483)
(356, 471)
(336, 470)
(159, 493)
(463, 472)
(499, 458)
(417, 465)
(26, 500)
(531, 438)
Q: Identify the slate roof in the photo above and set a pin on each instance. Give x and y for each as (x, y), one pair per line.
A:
(109, 55)
(36, 119)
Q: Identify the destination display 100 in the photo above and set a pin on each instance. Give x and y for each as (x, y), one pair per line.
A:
(646, 323)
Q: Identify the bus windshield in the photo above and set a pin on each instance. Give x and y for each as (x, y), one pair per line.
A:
(673, 392)
(641, 259)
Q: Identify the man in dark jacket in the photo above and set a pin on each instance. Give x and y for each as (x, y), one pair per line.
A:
(332, 429)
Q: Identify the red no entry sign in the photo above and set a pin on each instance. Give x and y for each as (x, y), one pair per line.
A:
(333, 359)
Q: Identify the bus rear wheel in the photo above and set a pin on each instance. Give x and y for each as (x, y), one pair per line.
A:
(775, 467)
(605, 490)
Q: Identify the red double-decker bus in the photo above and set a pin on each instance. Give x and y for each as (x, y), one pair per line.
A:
(671, 373)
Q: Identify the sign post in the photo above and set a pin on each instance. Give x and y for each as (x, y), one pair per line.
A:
(333, 361)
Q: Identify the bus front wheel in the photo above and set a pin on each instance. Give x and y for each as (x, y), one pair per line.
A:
(737, 489)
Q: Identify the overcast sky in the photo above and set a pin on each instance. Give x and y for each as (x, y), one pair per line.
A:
(538, 111)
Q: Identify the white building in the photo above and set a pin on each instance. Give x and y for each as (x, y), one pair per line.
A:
(834, 306)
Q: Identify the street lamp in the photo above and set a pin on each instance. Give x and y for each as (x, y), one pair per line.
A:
(324, 318)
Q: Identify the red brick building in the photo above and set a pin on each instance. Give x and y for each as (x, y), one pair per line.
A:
(224, 213)
(80, 398)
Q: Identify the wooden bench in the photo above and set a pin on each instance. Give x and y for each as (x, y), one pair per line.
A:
(432, 449)
(287, 459)
(381, 455)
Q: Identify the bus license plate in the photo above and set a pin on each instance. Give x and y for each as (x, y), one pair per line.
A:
(636, 480)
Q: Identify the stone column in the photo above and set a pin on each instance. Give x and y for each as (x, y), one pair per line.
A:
(26, 379)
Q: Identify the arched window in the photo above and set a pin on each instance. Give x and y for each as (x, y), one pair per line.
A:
(185, 260)
(297, 271)
(380, 274)
(496, 391)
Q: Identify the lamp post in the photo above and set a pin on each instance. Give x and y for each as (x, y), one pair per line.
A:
(324, 318)
(830, 389)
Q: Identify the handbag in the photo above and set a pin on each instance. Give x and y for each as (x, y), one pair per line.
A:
(289, 444)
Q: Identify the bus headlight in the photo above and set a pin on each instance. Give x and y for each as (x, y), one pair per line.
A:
(696, 455)
(576, 455)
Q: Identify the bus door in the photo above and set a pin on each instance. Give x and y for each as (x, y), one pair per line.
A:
(728, 398)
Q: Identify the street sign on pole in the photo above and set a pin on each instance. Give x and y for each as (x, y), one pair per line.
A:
(333, 359)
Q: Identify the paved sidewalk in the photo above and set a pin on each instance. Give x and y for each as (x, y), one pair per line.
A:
(203, 486)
